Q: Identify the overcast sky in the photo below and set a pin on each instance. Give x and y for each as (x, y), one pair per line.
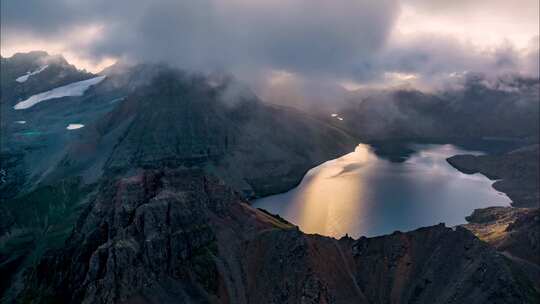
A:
(347, 42)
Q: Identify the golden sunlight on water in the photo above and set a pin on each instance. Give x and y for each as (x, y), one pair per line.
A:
(362, 194)
(328, 195)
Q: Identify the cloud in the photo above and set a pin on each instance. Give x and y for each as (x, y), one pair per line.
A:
(304, 36)
(431, 56)
(322, 43)
(483, 22)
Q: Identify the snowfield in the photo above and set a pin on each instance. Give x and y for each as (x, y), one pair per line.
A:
(73, 89)
(28, 74)
(74, 126)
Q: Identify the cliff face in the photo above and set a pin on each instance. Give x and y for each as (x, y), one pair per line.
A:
(181, 236)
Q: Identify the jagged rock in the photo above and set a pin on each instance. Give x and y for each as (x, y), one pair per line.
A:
(180, 236)
(515, 231)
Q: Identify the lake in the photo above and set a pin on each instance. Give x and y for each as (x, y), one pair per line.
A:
(363, 194)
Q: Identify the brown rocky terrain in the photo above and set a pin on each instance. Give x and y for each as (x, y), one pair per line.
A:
(515, 231)
(181, 236)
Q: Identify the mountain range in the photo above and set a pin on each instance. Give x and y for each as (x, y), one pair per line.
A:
(147, 200)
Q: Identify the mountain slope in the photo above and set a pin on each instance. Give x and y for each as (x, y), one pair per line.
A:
(180, 236)
(178, 120)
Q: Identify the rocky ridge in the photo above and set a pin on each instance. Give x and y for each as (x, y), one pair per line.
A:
(180, 236)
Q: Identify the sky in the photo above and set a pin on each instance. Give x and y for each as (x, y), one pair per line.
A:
(286, 44)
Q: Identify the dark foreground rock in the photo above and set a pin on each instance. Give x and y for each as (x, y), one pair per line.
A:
(181, 236)
(515, 232)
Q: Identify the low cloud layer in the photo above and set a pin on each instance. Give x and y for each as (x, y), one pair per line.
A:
(310, 41)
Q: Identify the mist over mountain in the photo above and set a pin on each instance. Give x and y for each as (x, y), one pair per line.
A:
(506, 107)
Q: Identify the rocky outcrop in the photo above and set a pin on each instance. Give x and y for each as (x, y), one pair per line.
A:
(517, 173)
(181, 236)
(515, 231)
(146, 235)
(434, 265)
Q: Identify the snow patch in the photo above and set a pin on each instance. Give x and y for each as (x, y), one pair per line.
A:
(73, 89)
(28, 74)
(117, 99)
(21, 122)
(336, 116)
(74, 126)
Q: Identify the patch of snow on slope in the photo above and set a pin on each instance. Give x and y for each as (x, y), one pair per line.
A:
(117, 99)
(21, 122)
(73, 89)
(28, 74)
(336, 116)
(74, 126)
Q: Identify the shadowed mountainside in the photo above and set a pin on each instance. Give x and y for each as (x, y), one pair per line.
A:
(179, 236)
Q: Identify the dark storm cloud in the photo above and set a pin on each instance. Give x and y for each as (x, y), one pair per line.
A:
(304, 36)
(317, 41)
